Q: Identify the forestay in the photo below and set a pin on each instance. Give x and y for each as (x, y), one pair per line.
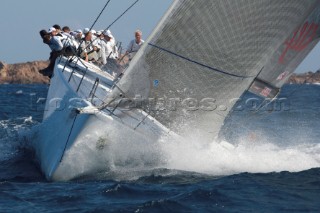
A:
(204, 54)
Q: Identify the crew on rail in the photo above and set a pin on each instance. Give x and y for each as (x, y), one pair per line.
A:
(98, 47)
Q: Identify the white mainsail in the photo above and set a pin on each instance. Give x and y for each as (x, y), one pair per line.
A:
(204, 54)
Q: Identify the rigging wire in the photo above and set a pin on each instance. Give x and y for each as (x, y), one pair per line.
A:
(99, 15)
(69, 136)
(117, 19)
(105, 6)
(122, 14)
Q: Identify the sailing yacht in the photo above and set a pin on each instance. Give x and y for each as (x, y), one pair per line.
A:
(184, 82)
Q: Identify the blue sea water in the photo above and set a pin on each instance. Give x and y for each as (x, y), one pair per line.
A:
(275, 166)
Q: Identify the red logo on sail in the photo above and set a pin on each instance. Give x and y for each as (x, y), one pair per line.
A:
(266, 92)
(300, 40)
(283, 75)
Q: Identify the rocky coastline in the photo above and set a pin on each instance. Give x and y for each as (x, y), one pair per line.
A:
(28, 73)
(23, 73)
(305, 78)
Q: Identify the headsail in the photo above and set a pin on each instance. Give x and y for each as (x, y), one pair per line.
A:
(204, 54)
(288, 56)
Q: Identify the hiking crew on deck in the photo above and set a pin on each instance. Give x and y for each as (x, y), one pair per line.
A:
(98, 47)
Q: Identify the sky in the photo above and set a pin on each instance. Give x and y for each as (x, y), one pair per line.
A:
(21, 21)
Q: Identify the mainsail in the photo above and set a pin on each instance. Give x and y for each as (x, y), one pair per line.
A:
(204, 55)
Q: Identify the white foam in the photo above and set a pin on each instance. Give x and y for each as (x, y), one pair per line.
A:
(252, 154)
(223, 158)
(8, 141)
(130, 158)
(28, 120)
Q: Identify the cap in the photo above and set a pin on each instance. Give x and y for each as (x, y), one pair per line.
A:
(107, 33)
(74, 33)
(51, 29)
(78, 31)
(86, 30)
(99, 32)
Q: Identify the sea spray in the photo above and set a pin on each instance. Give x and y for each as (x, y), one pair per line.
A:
(224, 158)
(11, 136)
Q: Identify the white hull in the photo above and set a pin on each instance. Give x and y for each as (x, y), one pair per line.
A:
(71, 145)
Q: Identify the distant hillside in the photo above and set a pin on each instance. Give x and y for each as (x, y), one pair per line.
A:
(23, 73)
(305, 78)
(28, 73)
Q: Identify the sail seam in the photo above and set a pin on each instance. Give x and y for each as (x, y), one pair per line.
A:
(198, 63)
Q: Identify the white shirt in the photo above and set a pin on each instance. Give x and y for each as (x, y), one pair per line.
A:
(68, 40)
(96, 42)
(55, 44)
(103, 51)
(115, 53)
(133, 47)
(109, 49)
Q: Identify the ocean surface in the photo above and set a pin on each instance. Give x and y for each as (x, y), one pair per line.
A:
(273, 164)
